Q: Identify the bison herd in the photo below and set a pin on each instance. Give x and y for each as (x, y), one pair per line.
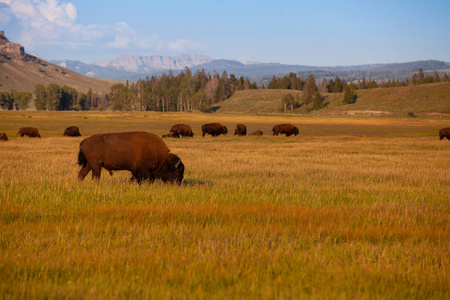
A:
(216, 129)
(145, 154)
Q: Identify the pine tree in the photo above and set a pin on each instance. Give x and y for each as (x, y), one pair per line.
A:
(348, 95)
(317, 101)
(309, 90)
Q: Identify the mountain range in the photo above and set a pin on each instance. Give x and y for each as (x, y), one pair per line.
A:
(134, 67)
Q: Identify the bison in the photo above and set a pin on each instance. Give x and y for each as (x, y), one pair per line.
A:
(72, 131)
(30, 131)
(287, 129)
(444, 133)
(3, 137)
(257, 133)
(240, 129)
(169, 135)
(144, 154)
(181, 130)
(214, 129)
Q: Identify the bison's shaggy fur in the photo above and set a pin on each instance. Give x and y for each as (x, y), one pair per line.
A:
(29, 131)
(257, 133)
(214, 129)
(240, 129)
(144, 154)
(72, 131)
(444, 133)
(181, 130)
(3, 137)
(287, 129)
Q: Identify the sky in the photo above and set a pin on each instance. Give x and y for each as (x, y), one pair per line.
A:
(314, 33)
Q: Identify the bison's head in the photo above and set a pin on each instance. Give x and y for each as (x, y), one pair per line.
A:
(224, 130)
(296, 130)
(172, 170)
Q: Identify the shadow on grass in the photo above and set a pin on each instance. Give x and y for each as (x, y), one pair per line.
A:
(193, 182)
(212, 109)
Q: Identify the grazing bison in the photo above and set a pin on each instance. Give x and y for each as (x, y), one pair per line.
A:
(3, 137)
(287, 129)
(72, 131)
(169, 135)
(257, 133)
(214, 129)
(181, 129)
(240, 129)
(30, 131)
(144, 154)
(444, 133)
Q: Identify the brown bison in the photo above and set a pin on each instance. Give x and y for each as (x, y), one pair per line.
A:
(214, 129)
(444, 133)
(287, 129)
(72, 131)
(3, 137)
(257, 133)
(181, 130)
(30, 131)
(240, 129)
(144, 154)
(169, 135)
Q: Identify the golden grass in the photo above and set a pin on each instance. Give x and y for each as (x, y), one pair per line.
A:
(360, 212)
(420, 99)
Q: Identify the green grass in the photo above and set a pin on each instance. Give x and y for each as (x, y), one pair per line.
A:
(358, 212)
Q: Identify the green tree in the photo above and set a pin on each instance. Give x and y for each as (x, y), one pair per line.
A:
(119, 97)
(289, 102)
(318, 102)
(349, 95)
(23, 99)
(54, 95)
(7, 100)
(309, 90)
(40, 93)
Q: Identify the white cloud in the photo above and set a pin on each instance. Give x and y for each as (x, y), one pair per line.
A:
(52, 23)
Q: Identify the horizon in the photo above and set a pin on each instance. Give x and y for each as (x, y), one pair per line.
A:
(251, 62)
(326, 34)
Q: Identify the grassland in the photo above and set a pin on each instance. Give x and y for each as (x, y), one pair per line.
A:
(420, 99)
(350, 208)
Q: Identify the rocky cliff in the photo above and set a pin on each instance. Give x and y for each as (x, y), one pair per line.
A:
(145, 64)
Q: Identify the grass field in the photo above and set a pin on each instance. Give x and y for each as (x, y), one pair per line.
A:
(350, 208)
(420, 100)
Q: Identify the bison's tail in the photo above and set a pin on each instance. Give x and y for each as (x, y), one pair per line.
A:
(82, 159)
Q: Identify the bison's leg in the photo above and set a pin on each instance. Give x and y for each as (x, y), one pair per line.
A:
(96, 171)
(83, 172)
(141, 175)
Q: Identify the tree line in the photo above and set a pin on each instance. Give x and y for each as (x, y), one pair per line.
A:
(292, 82)
(185, 92)
(196, 92)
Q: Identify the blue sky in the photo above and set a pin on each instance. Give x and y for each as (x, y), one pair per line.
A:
(321, 33)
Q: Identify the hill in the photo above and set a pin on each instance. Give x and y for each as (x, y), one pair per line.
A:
(422, 100)
(21, 71)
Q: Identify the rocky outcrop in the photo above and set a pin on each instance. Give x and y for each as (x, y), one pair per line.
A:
(10, 50)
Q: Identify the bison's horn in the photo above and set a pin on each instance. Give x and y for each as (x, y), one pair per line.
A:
(178, 164)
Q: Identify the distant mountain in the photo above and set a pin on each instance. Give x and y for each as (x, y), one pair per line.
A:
(133, 67)
(21, 71)
(145, 64)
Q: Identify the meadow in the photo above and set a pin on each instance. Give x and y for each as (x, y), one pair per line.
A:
(349, 208)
